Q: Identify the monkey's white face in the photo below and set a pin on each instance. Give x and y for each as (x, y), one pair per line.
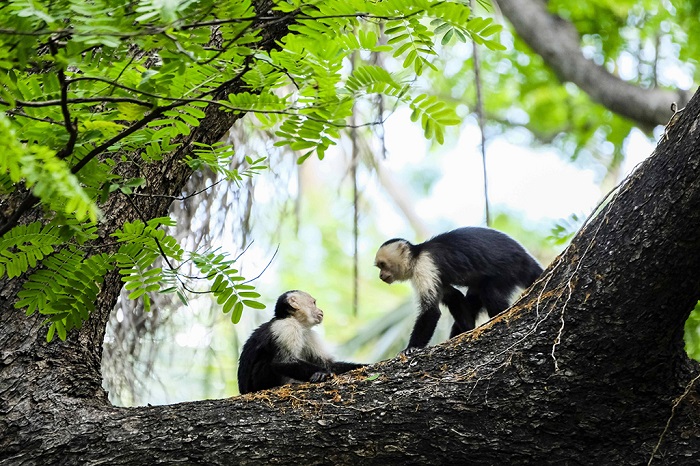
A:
(305, 310)
(393, 262)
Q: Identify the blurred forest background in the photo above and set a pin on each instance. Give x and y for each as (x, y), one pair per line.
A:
(551, 155)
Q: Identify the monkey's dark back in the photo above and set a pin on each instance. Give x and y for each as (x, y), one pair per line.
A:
(469, 254)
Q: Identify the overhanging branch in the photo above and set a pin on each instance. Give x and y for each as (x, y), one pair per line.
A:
(558, 42)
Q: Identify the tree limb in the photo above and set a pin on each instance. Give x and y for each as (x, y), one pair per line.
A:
(558, 42)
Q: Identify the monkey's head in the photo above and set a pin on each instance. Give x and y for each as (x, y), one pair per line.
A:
(394, 260)
(299, 305)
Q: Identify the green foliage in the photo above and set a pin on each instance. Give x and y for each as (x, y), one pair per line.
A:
(433, 115)
(26, 245)
(142, 244)
(229, 288)
(413, 40)
(454, 22)
(219, 157)
(93, 90)
(40, 169)
(65, 289)
(692, 333)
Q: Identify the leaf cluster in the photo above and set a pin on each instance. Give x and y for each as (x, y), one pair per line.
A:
(229, 288)
(65, 289)
(93, 90)
(66, 286)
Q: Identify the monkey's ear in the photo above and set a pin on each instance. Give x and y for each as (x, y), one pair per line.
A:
(402, 247)
(293, 302)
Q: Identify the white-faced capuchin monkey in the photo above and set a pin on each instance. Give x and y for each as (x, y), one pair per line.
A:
(490, 263)
(286, 349)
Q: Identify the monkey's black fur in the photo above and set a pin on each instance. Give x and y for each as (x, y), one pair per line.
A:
(490, 263)
(266, 363)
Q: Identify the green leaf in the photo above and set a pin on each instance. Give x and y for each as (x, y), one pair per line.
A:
(253, 304)
(61, 329)
(237, 312)
(228, 305)
(51, 332)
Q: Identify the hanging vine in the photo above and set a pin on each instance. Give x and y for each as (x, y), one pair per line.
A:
(481, 121)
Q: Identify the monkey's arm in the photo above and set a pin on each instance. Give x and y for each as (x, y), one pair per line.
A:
(301, 370)
(425, 324)
(340, 367)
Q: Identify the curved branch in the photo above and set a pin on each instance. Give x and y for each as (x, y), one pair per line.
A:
(558, 42)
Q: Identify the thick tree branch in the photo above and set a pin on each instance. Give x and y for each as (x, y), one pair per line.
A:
(558, 42)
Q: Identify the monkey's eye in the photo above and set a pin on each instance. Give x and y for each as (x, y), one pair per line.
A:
(381, 264)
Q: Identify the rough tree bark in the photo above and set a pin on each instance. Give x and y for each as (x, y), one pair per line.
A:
(587, 368)
(559, 44)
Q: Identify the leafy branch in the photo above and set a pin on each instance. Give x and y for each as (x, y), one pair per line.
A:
(228, 287)
(106, 94)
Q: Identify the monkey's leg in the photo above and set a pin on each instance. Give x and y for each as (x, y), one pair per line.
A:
(463, 309)
(495, 297)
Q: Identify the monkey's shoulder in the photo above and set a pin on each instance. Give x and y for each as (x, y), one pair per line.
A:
(260, 342)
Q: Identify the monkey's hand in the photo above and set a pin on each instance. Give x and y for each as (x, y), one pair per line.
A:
(320, 376)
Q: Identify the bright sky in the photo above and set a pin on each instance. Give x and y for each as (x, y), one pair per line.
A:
(539, 184)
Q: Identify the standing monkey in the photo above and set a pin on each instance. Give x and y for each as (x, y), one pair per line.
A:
(490, 263)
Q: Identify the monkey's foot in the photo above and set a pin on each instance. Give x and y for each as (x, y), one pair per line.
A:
(410, 351)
